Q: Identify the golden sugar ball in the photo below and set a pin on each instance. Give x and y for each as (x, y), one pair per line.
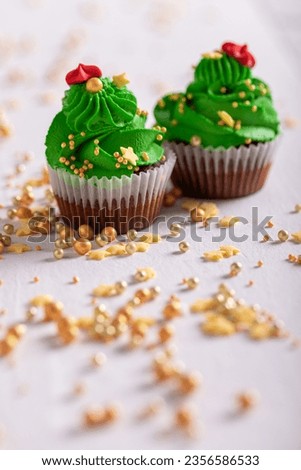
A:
(58, 253)
(94, 84)
(85, 231)
(70, 242)
(101, 240)
(175, 229)
(184, 246)
(8, 229)
(195, 140)
(11, 213)
(66, 232)
(5, 240)
(1, 247)
(110, 233)
(131, 248)
(197, 214)
(60, 243)
(166, 332)
(283, 235)
(82, 246)
(132, 234)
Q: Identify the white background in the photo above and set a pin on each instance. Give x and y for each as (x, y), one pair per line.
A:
(156, 42)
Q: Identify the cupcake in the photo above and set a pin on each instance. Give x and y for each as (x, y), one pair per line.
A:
(223, 129)
(105, 168)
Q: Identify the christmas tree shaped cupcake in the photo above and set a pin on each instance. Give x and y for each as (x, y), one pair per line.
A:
(105, 167)
(223, 128)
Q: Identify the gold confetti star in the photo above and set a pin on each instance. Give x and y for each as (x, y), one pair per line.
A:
(129, 155)
(120, 80)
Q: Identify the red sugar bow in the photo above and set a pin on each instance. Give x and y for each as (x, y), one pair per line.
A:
(82, 73)
(240, 53)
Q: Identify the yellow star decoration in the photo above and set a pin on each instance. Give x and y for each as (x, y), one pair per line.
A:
(129, 155)
(120, 80)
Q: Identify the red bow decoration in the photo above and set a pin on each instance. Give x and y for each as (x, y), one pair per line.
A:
(240, 53)
(82, 73)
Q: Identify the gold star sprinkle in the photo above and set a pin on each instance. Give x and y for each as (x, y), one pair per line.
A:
(129, 155)
(120, 80)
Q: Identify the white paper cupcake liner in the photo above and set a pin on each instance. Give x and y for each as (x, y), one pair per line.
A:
(108, 200)
(221, 173)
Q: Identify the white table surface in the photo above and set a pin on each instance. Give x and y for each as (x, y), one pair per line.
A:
(155, 42)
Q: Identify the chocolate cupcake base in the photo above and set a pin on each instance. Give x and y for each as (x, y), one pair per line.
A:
(221, 173)
(122, 203)
(120, 215)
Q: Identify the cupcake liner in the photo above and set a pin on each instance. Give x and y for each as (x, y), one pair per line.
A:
(126, 202)
(221, 173)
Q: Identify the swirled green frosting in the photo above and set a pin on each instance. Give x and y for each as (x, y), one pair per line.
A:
(224, 106)
(102, 133)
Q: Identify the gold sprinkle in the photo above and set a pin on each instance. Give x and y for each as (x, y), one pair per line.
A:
(242, 94)
(195, 140)
(234, 104)
(298, 208)
(184, 246)
(259, 263)
(254, 109)
(283, 235)
(248, 141)
(226, 118)
(98, 359)
(63, 145)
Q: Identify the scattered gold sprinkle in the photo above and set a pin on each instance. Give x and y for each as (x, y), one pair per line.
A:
(297, 237)
(228, 221)
(184, 246)
(224, 251)
(247, 400)
(259, 263)
(283, 235)
(98, 359)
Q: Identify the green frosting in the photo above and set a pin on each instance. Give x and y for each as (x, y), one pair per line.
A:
(224, 106)
(86, 137)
